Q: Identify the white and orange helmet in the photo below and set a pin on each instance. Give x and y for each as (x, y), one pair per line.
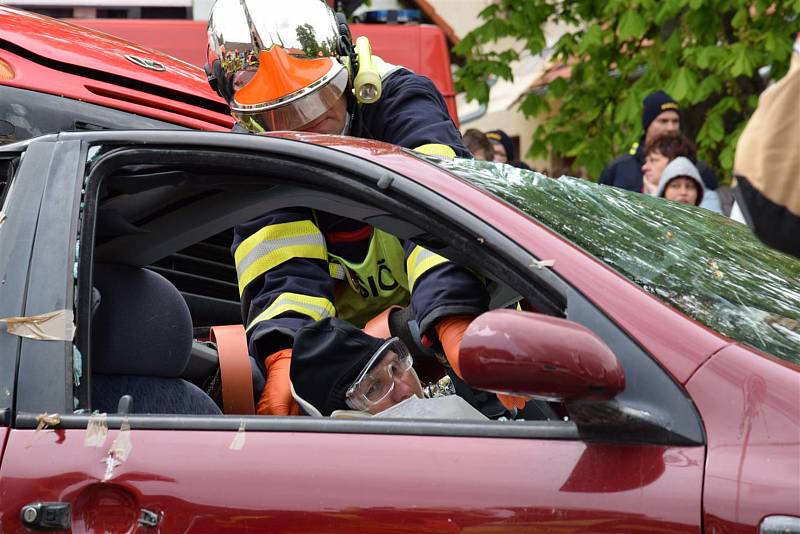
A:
(276, 63)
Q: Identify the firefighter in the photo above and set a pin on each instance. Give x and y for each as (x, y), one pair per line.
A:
(299, 265)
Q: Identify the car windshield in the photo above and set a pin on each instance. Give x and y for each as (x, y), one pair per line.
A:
(709, 267)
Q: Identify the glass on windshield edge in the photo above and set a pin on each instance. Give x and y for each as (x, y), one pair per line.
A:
(709, 267)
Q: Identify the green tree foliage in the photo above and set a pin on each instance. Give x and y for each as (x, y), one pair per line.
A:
(705, 53)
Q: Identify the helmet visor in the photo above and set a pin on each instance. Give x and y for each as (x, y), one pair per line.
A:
(298, 113)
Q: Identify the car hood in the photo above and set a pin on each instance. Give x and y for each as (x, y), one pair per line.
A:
(97, 54)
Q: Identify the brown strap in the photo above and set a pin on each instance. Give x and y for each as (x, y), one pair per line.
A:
(234, 369)
(378, 326)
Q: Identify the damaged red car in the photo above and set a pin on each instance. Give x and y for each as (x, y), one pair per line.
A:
(683, 414)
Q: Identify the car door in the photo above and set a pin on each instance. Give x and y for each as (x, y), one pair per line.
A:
(210, 473)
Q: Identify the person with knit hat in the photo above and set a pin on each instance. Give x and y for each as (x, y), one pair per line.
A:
(504, 149)
(660, 115)
(680, 182)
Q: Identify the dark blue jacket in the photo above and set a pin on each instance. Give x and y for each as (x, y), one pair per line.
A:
(411, 112)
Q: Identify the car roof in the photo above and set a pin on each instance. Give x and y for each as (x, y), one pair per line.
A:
(95, 55)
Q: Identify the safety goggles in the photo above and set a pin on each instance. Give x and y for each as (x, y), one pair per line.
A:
(296, 113)
(375, 383)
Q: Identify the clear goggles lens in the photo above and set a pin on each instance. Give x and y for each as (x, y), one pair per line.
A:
(298, 113)
(376, 382)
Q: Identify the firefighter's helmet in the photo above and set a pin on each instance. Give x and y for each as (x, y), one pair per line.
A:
(278, 64)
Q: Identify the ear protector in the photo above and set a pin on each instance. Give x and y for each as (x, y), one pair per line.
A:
(364, 76)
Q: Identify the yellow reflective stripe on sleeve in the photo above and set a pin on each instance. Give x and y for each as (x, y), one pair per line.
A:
(419, 262)
(315, 307)
(434, 149)
(336, 270)
(275, 244)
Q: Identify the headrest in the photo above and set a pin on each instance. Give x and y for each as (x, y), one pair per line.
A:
(142, 325)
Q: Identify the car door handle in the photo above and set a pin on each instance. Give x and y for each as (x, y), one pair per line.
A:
(46, 516)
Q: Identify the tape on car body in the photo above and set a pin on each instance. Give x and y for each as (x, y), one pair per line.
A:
(52, 326)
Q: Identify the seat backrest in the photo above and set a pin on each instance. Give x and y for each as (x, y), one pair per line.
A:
(141, 342)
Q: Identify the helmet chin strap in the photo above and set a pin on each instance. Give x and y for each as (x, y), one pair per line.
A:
(346, 128)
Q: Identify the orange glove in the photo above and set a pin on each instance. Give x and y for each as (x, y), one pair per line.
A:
(276, 398)
(512, 401)
(451, 331)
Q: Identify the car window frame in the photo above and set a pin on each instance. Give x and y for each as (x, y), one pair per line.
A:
(20, 206)
(376, 177)
(51, 283)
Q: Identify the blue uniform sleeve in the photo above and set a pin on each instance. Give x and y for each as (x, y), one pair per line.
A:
(441, 288)
(284, 282)
(410, 113)
(607, 176)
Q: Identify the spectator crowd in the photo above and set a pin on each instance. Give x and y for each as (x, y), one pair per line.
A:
(765, 193)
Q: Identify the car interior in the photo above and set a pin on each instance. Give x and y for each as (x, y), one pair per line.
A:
(162, 273)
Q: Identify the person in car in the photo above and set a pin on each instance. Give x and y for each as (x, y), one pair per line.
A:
(337, 366)
(338, 370)
(298, 265)
(681, 182)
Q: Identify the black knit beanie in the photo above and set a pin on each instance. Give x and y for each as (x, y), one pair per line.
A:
(655, 104)
(327, 357)
(501, 137)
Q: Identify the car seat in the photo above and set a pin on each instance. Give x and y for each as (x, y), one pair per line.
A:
(141, 339)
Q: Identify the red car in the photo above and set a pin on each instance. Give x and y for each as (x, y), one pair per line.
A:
(670, 425)
(664, 338)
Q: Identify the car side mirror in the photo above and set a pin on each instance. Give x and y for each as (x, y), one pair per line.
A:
(524, 353)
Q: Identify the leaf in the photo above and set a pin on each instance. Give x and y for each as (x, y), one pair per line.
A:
(706, 55)
(742, 65)
(631, 25)
(558, 87)
(592, 38)
(533, 105)
(726, 157)
(713, 129)
(682, 84)
(710, 85)
(740, 18)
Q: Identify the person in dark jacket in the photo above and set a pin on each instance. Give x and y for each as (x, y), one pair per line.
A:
(504, 149)
(661, 114)
(298, 265)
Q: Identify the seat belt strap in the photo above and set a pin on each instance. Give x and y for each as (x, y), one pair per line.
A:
(234, 369)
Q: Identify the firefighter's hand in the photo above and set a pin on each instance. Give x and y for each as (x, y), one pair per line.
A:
(276, 398)
(451, 331)
(512, 401)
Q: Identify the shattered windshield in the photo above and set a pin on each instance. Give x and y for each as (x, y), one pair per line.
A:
(709, 267)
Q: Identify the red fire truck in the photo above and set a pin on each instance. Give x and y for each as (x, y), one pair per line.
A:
(178, 28)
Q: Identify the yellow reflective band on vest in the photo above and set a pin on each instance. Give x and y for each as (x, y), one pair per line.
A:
(421, 261)
(275, 244)
(434, 149)
(315, 307)
(369, 287)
